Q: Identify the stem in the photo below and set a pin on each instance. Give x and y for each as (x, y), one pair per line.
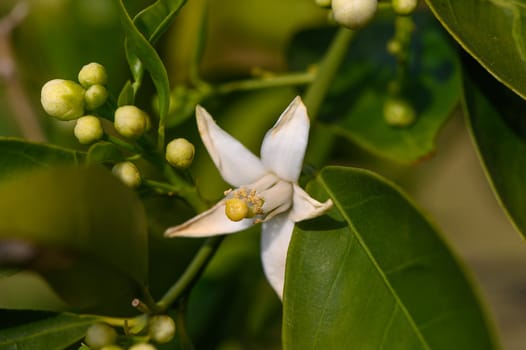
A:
(124, 144)
(268, 82)
(327, 70)
(192, 272)
(183, 189)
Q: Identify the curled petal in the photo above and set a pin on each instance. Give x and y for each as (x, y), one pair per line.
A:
(209, 223)
(284, 145)
(275, 239)
(237, 165)
(305, 207)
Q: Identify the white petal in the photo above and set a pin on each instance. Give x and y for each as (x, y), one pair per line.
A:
(284, 145)
(209, 223)
(305, 207)
(237, 165)
(275, 239)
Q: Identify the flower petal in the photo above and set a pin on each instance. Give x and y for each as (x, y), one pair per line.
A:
(284, 145)
(275, 239)
(305, 207)
(237, 165)
(209, 223)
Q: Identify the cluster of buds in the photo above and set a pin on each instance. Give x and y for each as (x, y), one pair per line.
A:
(160, 329)
(356, 14)
(68, 100)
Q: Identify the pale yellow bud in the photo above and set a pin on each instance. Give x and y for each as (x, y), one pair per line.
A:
(99, 335)
(88, 129)
(180, 153)
(92, 74)
(128, 173)
(63, 99)
(130, 121)
(95, 96)
(161, 328)
(398, 112)
(142, 346)
(354, 14)
(404, 7)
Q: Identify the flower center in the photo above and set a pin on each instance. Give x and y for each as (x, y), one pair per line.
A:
(243, 204)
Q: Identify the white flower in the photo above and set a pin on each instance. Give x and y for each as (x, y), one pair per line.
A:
(266, 189)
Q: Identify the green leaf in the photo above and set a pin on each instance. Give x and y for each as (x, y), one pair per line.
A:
(18, 156)
(497, 122)
(493, 32)
(82, 230)
(375, 274)
(57, 332)
(104, 152)
(154, 20)
(355, 102)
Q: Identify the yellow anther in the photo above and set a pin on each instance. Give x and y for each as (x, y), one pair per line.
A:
(236, 209)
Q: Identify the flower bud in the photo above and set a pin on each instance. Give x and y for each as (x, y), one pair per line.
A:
(99, 335)
(112, 347)
(404, 7)
(354, 14)
(63, 99)
(180, 153)
(130, 121)
(128, 173)
(142, 346)
(161, 328)
(323, 3)
(398, 112)
(92, 74)
(95, 96)
(88, 129)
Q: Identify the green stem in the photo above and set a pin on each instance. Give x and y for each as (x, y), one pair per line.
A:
(192, 272)
(329, 66)
(263, 83)
(124, 144)
(185, 190)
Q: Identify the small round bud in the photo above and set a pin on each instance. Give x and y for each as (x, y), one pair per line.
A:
(354, 14)
(398, 112)
(95, 96)
(92, 74)
(142, 346)
(236, 209)
(128, 173)
(323, 3)
(162, 328)
(404, 7)
(99, 335)
(180, 153)
(62, 99)
(88, 129)
(394, 47)
(130, 121)
(112, 347)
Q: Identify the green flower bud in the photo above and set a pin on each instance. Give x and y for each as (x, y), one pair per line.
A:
(95, 96)
(142, 346)
(112, 347)
(354, 14)
(88, 129)
(130, 121)
(63, 99)
(162, 328)
(404, 7)
(128, 173)
(99, 335)
(92, 74)
(180, 153)
(398, 112)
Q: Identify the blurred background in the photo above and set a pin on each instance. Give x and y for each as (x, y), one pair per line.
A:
(49, 39)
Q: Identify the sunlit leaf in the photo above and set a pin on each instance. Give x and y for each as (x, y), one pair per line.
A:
(154, 20)
(82, 230)
(17, 156)
(493, 32)
(55, 333)
(496, 116)
(375, 274)
(356, 99)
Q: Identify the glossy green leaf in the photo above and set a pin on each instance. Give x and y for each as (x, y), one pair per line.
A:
(82, 230)
(55, 333)
(354, 105)
(141, 53)
(496, 116)
(154, 20)
(493, 32)
(18, 155)
(104, 152)
(375, 274)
